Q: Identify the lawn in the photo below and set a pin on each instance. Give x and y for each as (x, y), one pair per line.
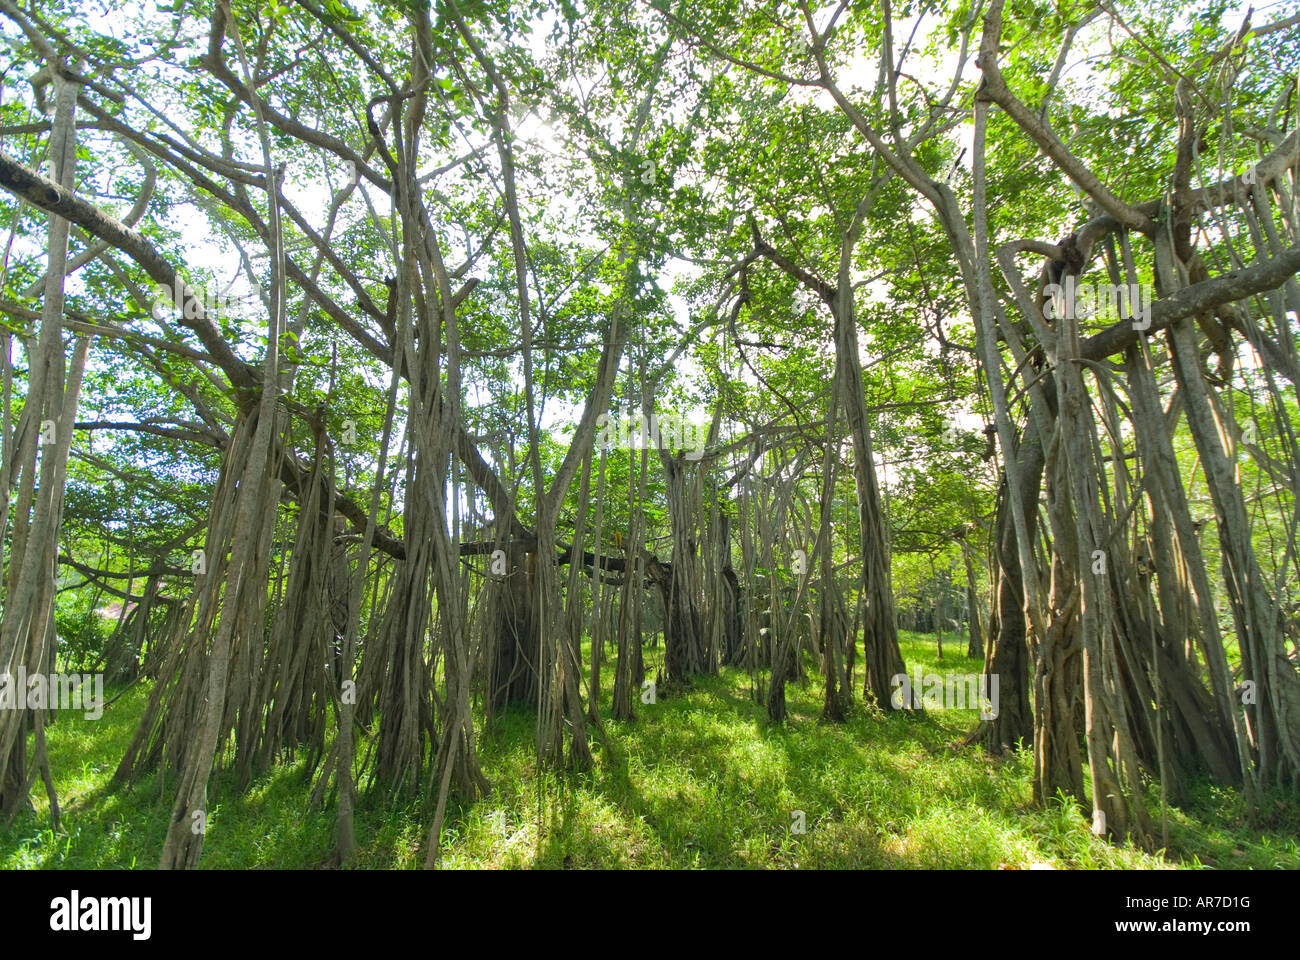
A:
(697, 780)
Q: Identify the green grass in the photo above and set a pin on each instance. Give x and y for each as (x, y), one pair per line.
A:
(698, 780)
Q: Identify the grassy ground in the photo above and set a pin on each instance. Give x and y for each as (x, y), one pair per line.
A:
(700, 780)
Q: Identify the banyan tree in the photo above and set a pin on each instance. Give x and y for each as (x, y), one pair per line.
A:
(447, 355)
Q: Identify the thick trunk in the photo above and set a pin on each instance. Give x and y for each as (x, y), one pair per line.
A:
(515, 638)
(882, 658)
(1009, 657)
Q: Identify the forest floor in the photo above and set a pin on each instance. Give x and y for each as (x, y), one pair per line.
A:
(697, 780)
